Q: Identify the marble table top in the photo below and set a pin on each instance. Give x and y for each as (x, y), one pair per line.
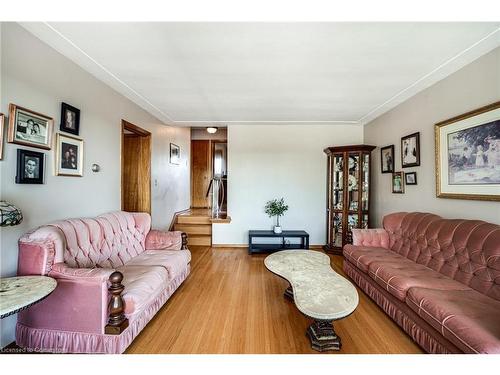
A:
(318, 291)
(18, 293)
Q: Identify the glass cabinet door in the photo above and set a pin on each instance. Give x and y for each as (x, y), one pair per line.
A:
(337, 182)
(366, 180)
(337, 229)
(352, 182)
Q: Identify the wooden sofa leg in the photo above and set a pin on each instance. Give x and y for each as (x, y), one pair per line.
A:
(184, 241)
(117, 321)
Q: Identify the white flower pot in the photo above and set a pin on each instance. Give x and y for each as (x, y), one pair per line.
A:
(277, 229)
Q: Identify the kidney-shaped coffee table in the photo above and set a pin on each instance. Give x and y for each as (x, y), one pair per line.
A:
(318, 292)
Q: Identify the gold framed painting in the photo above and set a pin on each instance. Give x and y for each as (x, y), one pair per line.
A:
(2, 121)
(69, 156)
(468, 155)
(29, 128)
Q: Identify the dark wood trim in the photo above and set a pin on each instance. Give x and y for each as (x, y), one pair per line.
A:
(184, 237)
(331, 150)
(134, 129)
(117, 321)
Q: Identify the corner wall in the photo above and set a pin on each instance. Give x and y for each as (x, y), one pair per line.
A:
(273, 161)
(35, 76)
(472, 87)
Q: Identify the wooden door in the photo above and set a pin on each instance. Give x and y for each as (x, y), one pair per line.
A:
(136, 169)
(201, 173)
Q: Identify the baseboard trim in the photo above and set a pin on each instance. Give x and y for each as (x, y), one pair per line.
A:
(222, 245)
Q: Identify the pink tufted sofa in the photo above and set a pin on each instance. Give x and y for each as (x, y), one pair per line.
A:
(82, 254)
(438, 279)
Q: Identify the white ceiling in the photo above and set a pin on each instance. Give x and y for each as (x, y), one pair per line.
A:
(197, 73)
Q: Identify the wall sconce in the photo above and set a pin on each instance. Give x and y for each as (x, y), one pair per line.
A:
(212, 129)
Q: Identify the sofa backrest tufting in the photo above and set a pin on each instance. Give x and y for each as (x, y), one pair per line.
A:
(467, 251)
(107, 241)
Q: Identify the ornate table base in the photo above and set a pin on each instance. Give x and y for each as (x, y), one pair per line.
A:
(322, 336)
(289, 293)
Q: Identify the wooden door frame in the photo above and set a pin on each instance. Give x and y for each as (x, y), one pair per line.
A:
(140, 132)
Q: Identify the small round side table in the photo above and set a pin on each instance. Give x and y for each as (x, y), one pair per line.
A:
(19, 293)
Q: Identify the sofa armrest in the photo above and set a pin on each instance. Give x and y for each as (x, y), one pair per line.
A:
(35, 257)
(370, 238)
(97, 275)
(107, 300)
(161, 240)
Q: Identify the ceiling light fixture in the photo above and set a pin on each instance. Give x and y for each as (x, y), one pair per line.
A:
(212, 129)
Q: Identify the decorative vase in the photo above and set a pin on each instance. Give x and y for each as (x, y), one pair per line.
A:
(277, 229)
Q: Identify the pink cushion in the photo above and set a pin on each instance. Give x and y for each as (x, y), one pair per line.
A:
(362, 256)
(142, 284)
(161, 240)
(398, 276)
(370, 238)
(174, 261)
(467, 318)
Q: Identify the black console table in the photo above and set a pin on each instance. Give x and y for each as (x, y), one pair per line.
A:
(269, 248)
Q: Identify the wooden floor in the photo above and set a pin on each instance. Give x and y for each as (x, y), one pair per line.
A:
(231, 304)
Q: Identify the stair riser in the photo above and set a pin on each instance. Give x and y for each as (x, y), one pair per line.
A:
(193, 220)
(200, 241)
(194, 229)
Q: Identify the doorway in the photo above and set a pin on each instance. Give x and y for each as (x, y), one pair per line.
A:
(136, 168)
(208, 170)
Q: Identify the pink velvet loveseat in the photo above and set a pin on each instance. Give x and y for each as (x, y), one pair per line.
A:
(438, 279)
(117, 251)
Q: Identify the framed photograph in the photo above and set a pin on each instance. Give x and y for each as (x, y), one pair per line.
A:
(175, 154)
(410, 150)
(30, 167)
(387, 159)
(398, 185)
(411, 178)
(468, 155)
(2, 124)
(29, 128)
(70, 119)
(69, 156)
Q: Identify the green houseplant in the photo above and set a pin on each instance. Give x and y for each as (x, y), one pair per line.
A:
(276, 207)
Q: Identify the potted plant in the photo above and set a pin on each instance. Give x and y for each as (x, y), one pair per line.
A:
(276, 208)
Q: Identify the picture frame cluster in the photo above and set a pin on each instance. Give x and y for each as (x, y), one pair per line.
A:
(410, 157)
(32, 129)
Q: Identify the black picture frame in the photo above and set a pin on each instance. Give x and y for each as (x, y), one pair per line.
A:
(413, 181)
(405, 151)
(38, 164)
(70, 125)
(175, 154)
(382, 152)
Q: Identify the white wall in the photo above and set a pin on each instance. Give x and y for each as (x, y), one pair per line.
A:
(35, 76)
(273, 161)
(474, 86)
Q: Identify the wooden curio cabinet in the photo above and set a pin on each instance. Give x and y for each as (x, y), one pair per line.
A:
(348, 194)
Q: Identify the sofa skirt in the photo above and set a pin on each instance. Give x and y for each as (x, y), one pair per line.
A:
(419, 330)
(53, 341)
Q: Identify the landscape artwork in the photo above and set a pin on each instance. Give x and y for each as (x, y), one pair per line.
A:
(468, 155)
(474, 155)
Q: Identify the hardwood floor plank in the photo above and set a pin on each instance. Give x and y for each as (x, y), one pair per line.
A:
(232, 304)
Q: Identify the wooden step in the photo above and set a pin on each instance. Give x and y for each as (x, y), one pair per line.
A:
(197, 240)
(194, 228)
(188, 219)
